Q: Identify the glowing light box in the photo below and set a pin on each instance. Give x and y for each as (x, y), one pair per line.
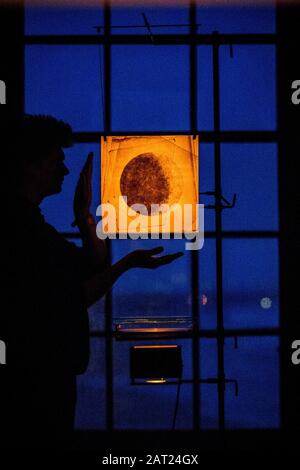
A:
(151, 182)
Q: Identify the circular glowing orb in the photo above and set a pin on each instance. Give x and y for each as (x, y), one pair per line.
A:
(266, 303)
(151, 180)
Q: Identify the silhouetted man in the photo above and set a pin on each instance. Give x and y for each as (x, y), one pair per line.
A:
(49, 283)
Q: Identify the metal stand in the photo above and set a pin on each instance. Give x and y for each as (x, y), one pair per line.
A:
(220, 203)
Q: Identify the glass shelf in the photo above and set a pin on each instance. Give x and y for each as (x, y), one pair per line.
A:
(153, 327)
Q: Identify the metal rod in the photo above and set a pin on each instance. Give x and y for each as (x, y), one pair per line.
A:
(219, 254)
(161, 39)
(195, 253)
(107, 72)
(108, 297)
(205, 136)
(152, 26)
(212, 381)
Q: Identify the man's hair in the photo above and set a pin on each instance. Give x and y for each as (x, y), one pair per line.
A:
(33, 137)
(27, 140)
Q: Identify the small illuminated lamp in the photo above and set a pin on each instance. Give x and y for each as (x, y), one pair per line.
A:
(156, 381)
(266, 303)
(155, 364)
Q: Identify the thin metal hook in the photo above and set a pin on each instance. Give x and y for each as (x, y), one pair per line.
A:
(147, 24)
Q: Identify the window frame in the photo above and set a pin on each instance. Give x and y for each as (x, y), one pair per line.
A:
(216, 137)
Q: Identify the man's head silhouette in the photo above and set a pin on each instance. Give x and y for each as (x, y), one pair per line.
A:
(36, 151)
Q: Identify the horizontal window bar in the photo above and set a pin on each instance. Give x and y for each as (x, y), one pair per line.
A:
(212, 234)
(232, 333)
(205, 136)
(159, 39)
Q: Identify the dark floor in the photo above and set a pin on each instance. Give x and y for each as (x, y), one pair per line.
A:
(160, 441)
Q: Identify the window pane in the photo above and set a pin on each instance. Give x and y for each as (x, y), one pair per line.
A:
(250, 280)
(150, 88)
(76, 20)
(209, 406)
(150, 407)
(250, 171)
(58, 209)
(255, 365)
(205, 88)
(207, 182)
(161, 292)
(236, 19)
(156, 15)
(208, 392)
(208, 358)
(60, 20)
(97, 315)
(207, 285)
(91, 399)
(248, 88)
(64, 81)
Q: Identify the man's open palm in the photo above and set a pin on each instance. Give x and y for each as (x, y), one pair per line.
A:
(147, 258)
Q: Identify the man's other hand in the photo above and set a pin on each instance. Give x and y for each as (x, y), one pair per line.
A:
(147, 258)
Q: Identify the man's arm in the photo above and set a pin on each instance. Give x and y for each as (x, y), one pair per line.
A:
(94, 249)
(101, 283)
